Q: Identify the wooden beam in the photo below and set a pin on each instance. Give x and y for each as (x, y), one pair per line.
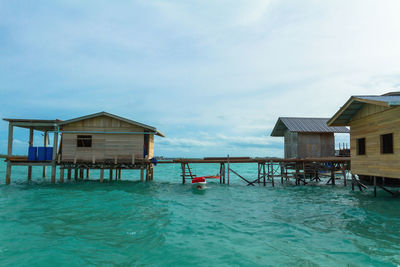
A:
(61, 175)
(53, 165)
(45, 138)
(30, 145)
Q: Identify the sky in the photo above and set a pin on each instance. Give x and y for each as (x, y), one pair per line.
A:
(213, 76)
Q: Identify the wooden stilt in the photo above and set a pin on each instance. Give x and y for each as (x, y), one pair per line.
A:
(264, 174)
(228, 168)
(101, 175)
(352, 182)
(69, 173)
(119, 174)
(111, 175)
(9, 152)
(332, 173)
(183, 173)
(282, 172)
(53, 164)
(76, 174)
(30, 145)
(44, 173)
(374, 186)
(272, 174)
(87, 174)
(61, 175)
(81, 170)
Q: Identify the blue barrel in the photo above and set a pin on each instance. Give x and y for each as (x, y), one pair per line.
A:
(32, 153)
(49, 153)
(41, 153)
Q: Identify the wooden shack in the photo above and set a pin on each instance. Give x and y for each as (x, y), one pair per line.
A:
(307, 137)
(98, 141)
(103, 137)
(374, 122)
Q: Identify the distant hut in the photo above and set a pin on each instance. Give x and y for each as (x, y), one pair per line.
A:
(374, 133)
(307, 137)
(103, 136)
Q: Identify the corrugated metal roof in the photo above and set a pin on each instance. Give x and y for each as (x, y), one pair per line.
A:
(355, 103)
(305, 125)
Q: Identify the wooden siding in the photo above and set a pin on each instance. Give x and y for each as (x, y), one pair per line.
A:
(371, 127)
(290, 144)
(104, 146)
(316, 145)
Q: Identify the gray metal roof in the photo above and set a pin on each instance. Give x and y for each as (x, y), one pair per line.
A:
(305, 125)
(343, 116)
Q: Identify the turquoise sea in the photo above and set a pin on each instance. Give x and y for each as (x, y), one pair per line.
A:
(165, 223)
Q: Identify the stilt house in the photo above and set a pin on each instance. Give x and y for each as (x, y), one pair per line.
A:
(374, 133)
(307, 137)
(105, 137)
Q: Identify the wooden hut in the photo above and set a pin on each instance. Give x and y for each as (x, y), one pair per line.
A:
(103, 137)
(307, 137)
(374, 133)
(97, 141)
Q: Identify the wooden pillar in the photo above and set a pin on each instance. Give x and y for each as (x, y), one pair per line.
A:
(282, 172)
(30, 145)
(44, 174)
(229, 169)
(183, 172)
(272, 174)
(101, 175)
(352, 182)
(81, 173)
(264, 174)
(76, 174)
(61, 175)
(344, 175)
(119, 173)
(111, 174)
(69, 173)
(374, 186)
(87, 174)
(9, 152)
(332, 173)
(142, 174)
(53, 164)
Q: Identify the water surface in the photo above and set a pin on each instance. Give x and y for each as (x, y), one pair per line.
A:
(165, 223)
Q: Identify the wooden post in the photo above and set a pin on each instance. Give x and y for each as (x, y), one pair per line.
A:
(61, 175)
(374, 186)
(9, 152)
(264, 173)
(229, 169)
(332, 173)
(344, 175)
(142, 174)
(87, 174)
(119, 174)
(69, 173)
(101, 175)
(272, 174)
(30, 145)
(282, 173)
(111, 174)
(183, 172)
(81, 173)
(352, 182)
(53, 164)
(44, 174)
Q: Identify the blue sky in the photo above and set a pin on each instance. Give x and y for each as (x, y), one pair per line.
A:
(214, 76)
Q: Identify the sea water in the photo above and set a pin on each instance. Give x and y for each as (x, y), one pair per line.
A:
(166, 223)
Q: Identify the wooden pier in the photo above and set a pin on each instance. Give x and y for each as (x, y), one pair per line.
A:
(302, 171)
